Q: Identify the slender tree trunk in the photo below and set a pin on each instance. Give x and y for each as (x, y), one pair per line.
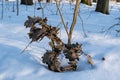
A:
(2, 12)
(13, 6)
(73, 22)
(94, 0)
(118, 0)
(87, 2)
(17, 5)
(48, 1)
(103, 6)
(27, 2)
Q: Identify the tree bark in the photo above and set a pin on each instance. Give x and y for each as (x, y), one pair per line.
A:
(27, 2)
(118, 0)
(103, 6)
(94, 0)
(73, 22)
(48, 1)
(87, 2)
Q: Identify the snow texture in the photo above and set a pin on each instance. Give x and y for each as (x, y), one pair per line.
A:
(28, 65)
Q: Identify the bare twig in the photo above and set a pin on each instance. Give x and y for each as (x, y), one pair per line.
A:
(42, 8)
(26, 47)
(82, 24)
(114, 25)
(35, 8)
(61, 17)
(111, 27)
(59, 24)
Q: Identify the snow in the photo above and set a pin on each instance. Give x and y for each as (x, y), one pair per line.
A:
(15, 65)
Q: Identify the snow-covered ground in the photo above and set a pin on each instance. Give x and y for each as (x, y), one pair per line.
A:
(28, 65)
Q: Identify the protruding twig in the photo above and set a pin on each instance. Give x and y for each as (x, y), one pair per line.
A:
(62, 17)
(26, 47)
(89, 58)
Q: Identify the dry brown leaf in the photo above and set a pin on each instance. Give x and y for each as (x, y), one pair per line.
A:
(90, 60)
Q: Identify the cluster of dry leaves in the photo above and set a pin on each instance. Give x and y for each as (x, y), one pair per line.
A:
(71, 51)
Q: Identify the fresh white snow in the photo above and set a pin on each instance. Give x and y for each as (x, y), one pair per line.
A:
(28, 65)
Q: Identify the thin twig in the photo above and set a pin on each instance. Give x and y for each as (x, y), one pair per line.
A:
(82, 25)
(111, 28)
(117, 24)
(59, 24)
(26, 47)
(62, 17)
(42, 8)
